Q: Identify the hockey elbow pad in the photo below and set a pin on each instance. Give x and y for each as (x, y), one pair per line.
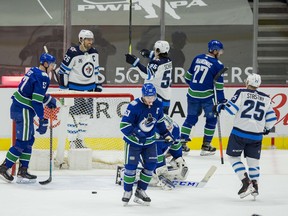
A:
(147, 53)
(49, 101)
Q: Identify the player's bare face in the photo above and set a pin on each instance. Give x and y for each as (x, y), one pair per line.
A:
(87, 43)
(219, 53)
(148, 100)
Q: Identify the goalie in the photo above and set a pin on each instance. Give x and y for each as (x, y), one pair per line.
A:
(176, 167)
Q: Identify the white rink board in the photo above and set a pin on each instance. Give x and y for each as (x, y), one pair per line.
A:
(279, 95)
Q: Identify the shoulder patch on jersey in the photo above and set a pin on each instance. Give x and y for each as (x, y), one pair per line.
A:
(126, 113)
(44, 74)
(73, 49)
(134, 103)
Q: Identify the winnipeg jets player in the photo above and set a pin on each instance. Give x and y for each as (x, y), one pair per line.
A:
(158, 70)
(139, 123)
(254, 117)
(28, 101)
(79, 71)
(200, 95)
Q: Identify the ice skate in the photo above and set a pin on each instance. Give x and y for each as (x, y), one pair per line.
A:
(126, 197)
(247, 187)
(4, 173)
(23, 177)
(255, 186)
(207, 149)
(141, 197)
(185, 148)
(77, 144)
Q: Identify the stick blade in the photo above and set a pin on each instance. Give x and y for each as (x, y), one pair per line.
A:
(46, 181)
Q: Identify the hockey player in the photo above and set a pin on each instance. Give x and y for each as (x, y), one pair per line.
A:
(254, 117)
(158, 70)
(139, 123)
(199, 77)
(79, 71)
(165, 173)
(28, 101)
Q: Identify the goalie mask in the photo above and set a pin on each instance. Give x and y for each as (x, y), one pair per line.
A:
(253, 80)
(85, 34)
(162, 46)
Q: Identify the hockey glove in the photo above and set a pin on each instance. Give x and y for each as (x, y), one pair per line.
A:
(266, 131)
(217, 108)
(49, 101)
(146, 53)
(132, 59)
(43, 124)
(98, 88)
(140, 135)
(168, 137)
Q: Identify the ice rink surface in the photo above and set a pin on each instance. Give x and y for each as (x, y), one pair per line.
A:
(70, 192)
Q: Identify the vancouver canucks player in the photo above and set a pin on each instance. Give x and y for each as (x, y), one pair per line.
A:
(29, 100)
(139, 123)
(199, 77)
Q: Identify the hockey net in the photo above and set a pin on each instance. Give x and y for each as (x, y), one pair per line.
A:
(90, 118)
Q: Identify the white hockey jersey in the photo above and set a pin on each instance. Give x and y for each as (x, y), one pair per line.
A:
(253, 111)
(81, 69)
(159, 73)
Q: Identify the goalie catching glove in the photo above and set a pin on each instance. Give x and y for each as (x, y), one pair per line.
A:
(132, 59)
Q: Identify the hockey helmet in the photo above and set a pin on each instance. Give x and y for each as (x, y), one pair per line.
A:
(163, 46)
(253, 80)
(215, 45)
(148, 90)
(85, 34)
(45, 57)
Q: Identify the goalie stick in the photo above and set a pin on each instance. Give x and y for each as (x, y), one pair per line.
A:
(218, 119)
(50, 151)
(177, 183)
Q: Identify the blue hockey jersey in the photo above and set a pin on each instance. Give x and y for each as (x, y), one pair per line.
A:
(138, 115)
(200, 77)
(31, 91)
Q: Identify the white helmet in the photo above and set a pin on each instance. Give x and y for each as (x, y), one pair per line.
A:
(253, 80)
(163, 46)
(85, 34)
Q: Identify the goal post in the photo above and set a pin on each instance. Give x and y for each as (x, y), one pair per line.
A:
(93, 118)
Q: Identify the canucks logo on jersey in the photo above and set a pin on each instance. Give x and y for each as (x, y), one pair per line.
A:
(148, 123)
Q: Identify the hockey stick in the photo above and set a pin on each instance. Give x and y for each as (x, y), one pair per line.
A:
(51, 159)
(130, 28)
(218, 118)
(200, 184)
(176, 183)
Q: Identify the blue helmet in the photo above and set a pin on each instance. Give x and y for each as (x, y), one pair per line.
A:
(215, 45)
(148, 89)
(45, 57)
